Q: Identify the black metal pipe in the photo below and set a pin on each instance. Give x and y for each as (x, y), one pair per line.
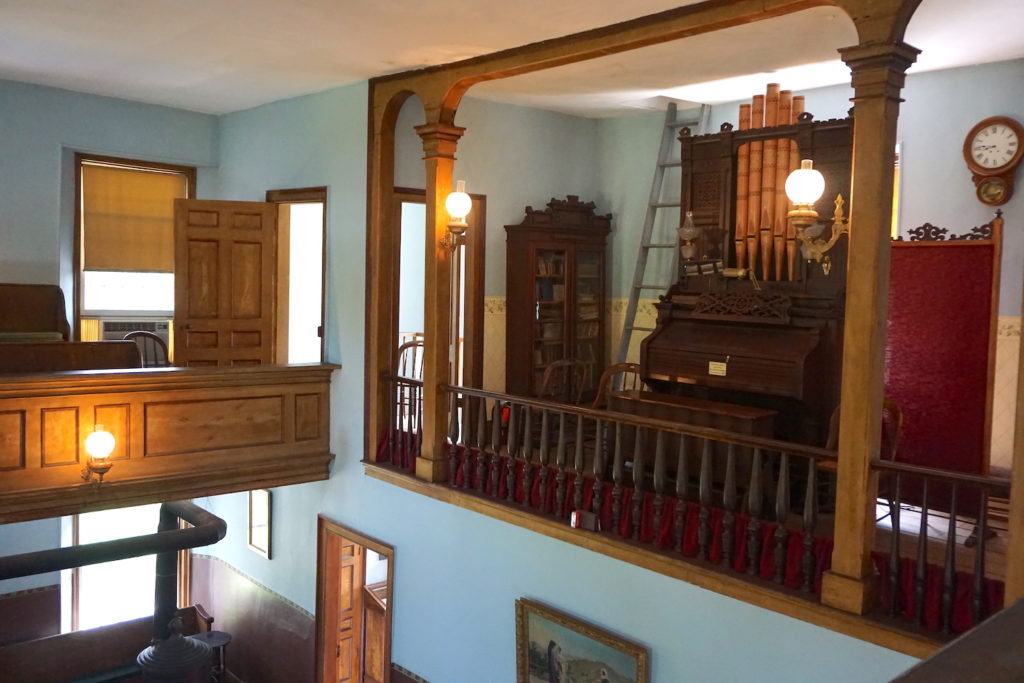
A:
(206, 530)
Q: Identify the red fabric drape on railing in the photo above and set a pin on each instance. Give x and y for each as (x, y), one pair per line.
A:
(663, 536)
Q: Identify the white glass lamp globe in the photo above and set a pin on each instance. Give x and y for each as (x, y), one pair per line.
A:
(99, 444)
(805, 185)
(458, 203)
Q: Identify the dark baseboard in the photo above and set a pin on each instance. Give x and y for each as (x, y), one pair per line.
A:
(273, 639)
(29, 614)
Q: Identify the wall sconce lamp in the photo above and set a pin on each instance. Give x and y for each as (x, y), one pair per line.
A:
(99, 445)
(458, 204)
(804, 187)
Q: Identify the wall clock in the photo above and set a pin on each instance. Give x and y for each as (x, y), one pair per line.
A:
(993, 150)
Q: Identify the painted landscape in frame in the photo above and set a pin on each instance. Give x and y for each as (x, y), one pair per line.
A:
(552, 647)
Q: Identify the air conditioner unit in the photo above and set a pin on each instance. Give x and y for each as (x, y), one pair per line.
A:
(115, 329)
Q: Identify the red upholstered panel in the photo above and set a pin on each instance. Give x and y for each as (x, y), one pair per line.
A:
(940, 308)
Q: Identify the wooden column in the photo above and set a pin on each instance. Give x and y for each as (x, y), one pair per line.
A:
(878, 76)
(439, 143)
(1015, 555)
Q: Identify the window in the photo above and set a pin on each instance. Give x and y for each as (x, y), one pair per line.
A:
(125, 235)
(111, 592)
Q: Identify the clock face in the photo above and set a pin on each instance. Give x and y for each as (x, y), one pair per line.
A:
(994, 146)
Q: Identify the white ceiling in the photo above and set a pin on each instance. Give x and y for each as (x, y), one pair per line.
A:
(219, 56)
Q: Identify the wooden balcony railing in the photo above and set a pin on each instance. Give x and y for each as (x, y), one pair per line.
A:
(180, 433)
(755, 508)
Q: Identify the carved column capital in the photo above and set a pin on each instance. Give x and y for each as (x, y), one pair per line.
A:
(439, 140)
(879, 69)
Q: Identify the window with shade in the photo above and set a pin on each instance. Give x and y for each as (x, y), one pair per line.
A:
(127, 234)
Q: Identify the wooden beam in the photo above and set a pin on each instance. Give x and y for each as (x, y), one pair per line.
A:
(878, 75)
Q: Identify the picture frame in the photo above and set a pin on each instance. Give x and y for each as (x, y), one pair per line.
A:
(260, 521)
(553, 647)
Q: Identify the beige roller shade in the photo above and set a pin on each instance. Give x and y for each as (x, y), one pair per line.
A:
(128, 218)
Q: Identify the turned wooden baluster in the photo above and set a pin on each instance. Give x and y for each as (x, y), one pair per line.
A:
(453, 438)
(659, 482)
(419, 425)
(638, 482)
(617, 478)
(781, 514)
(949, 570)
(392, 385)
(810, 523)
(978, 587)
(922, 557)
(894, 548)
(560, 464)
(545, 448)
(704, 529)
(513, 451)
(682, 479)
(480, 459)
(465, 441)
(597, 496)
(729, 502)
(527, 454)
(495, 446)
(754, 497)
(577, 467)
(404, 404)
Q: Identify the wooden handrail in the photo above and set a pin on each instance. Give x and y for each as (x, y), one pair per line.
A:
(763, 443)
(997, 485)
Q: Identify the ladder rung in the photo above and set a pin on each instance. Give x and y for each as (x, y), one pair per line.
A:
(683, 124)
(660, 246)
(666, 205)
(640, 329)
(669, 164)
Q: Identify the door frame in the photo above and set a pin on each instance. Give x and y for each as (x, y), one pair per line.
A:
(326, 625)
(476, 248)
(302, 195)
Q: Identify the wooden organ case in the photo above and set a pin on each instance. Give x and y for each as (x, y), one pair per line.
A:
(737, 327)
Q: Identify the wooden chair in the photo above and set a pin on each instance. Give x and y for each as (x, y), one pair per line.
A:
(618, 377)
(153, 348)
(410, 360)
(892, 430)
(565, 381)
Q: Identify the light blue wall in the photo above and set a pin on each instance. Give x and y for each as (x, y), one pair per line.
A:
(457, 573)
(43, 128)
(28, 537)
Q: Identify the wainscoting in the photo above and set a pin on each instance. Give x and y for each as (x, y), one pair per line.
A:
(29, 614)
(273, 639)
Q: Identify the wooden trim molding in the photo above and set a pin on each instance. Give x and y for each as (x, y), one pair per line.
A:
(907, 642)
(181, 433)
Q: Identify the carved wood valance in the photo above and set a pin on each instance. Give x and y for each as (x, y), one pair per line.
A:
(933, 233)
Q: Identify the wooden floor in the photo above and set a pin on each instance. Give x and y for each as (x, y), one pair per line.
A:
(937, 526)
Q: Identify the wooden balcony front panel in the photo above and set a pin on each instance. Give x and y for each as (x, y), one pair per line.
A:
(180, 433)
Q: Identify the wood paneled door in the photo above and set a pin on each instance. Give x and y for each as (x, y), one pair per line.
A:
(354, 578)
(225, 257)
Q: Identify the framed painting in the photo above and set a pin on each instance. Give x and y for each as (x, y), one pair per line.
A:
(552, 647)
(259, 521)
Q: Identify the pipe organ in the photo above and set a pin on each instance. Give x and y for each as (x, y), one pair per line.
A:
(748, 321)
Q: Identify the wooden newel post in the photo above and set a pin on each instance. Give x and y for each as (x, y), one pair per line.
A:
(878, 76)
(439, 143)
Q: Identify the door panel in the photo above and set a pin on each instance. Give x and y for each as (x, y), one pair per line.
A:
(225, 281)
(350, 612)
